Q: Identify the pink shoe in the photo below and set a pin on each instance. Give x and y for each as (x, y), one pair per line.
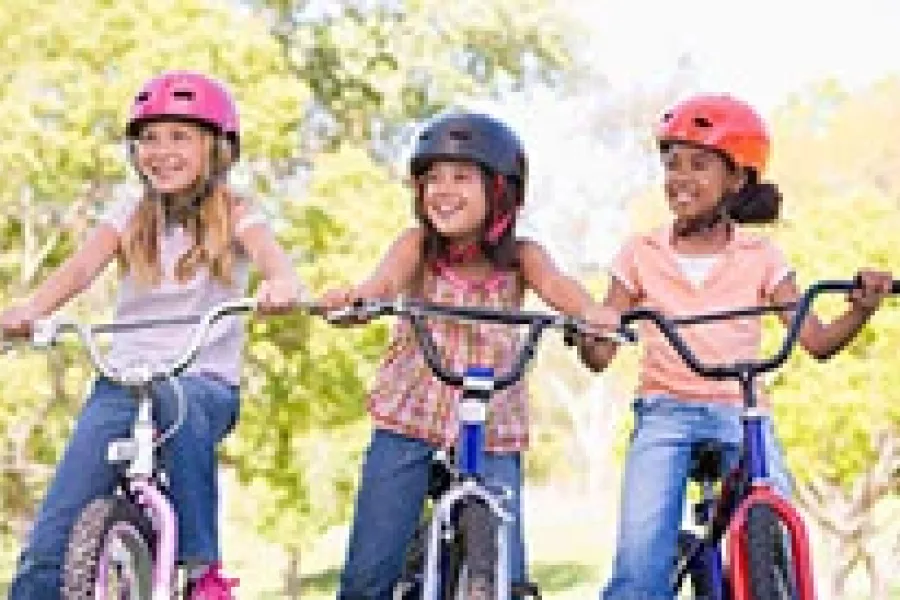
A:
(213, 585)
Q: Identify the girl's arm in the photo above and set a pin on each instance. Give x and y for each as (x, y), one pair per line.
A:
(280, 288)
(825, 340)
(597, 354)
(561, 292)
(71, 278)
(393, 276)
(568, 296)
(398, 268)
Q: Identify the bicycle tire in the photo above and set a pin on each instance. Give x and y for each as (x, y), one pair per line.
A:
(409, 586)
(768, 562)
(109, 528)
(478, 527)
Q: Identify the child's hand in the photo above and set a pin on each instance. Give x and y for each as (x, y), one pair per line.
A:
(874, 286)
(602, 321)
(340, 298)
(337, 298)
(17, 321)
(278, 296)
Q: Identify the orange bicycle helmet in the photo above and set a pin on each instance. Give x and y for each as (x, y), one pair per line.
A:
(720, 122)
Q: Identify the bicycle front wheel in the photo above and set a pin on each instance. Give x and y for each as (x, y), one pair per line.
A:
(769, 563)
(110, 553)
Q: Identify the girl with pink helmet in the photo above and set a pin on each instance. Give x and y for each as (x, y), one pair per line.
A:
(183, 246)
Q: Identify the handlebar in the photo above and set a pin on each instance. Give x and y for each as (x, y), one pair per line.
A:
(745, 369)
(46, 332)
(416, 313)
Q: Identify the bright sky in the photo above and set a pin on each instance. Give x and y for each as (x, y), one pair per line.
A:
(758, 49)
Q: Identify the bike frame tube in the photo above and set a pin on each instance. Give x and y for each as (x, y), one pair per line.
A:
(705, 562)
(755, 446)
(737, 537)
(713, 562)
(477, 387)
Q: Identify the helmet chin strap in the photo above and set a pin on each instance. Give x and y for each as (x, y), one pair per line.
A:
(460, 253)
(702, 223)
(177, 208)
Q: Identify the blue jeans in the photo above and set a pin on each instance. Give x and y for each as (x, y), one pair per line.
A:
(84, 474)
(388, 506)
(654, 484)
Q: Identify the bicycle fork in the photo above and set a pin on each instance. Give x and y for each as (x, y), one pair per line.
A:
(477, 388)
(763, 494)
(139, 453)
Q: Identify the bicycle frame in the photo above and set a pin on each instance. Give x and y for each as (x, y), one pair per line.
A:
(477, 388)
(753, 420)
(139, 451)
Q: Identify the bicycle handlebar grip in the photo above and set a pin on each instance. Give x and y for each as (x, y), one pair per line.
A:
(895, 285)
(44, 332)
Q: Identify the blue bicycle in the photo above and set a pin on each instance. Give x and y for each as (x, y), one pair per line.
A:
(468, 529)
(746, 516)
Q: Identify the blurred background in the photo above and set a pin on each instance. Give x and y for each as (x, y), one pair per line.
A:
(330, 93)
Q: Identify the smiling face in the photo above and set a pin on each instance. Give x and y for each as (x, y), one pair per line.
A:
(173, 155)
(454, 201)
(696, 179)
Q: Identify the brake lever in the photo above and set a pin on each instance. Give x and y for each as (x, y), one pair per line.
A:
(45, 331)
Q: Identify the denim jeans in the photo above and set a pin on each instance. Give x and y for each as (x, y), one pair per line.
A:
(654, 484)
(388, 506)
(84, 474)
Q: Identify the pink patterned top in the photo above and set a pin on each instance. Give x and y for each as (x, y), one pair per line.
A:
(408, 399)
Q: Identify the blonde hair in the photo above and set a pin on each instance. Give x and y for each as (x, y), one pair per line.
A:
(210, 230)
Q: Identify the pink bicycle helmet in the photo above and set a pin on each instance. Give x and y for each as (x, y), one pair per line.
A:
(186, 95)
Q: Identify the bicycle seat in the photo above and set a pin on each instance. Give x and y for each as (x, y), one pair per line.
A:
(706, 461)
(521, 591)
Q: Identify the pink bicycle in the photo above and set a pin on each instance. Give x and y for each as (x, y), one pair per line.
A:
(124, 546)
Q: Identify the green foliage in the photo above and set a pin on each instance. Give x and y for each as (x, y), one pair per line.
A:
(373, 66)
(841, 213)
(66, 93)
(828, 414)
(300, 429)
(70, 73)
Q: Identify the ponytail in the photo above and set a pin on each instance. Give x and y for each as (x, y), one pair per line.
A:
(755, 203)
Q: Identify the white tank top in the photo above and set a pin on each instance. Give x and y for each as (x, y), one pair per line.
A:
(221, 355)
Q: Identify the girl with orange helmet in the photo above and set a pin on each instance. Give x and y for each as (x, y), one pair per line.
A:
(714, 150)
(185, 245)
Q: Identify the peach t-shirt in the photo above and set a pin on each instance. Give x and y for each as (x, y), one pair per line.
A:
(745, 274)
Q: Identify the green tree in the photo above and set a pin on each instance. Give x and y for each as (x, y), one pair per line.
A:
(840, 420)
(372, 66)
(64, 90)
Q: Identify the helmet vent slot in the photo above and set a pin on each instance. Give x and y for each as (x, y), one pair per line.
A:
(460, 134)
(183, 94)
